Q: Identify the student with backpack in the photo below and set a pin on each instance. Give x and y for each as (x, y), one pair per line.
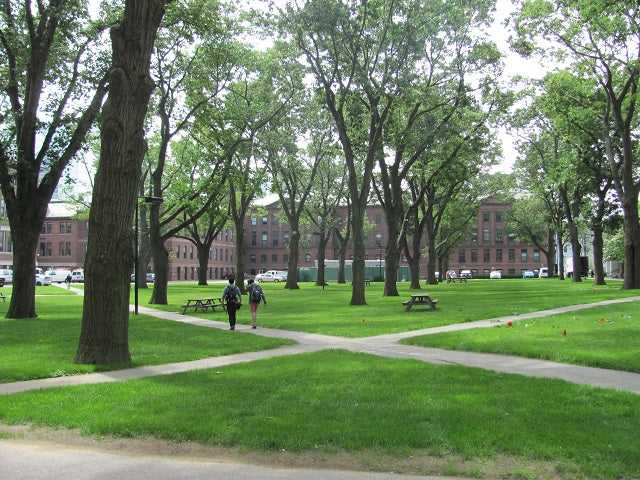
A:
(232, 296)
(255, 295)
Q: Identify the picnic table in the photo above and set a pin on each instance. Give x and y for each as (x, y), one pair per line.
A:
(420, 298)
(203, 304)
(457, 279)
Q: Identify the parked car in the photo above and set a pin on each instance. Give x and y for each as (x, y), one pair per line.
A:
(77, 276)
(58, 276)
(42, 279)
(495, 274)
(6, 275)
(466, 274)
(151, 277)
(528, 274)
(544, 272)
(269, 277)
(280, 273)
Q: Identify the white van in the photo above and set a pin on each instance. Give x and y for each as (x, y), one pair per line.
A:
(544, 272)
(77, 276)
(281, 273)
(6, 275)
(58, 276)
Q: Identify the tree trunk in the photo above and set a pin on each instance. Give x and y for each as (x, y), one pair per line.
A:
(104, 336)
(292, 266)
(321, 257)
(203, 262)
(239, 237)
(357, 266)
(159, 296)
(551, 253)
(25, 243)
(598, 257)
(631, 248)
(391, 255)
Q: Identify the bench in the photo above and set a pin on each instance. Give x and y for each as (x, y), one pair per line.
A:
(422, 298)
(203, 304)
(457, 279)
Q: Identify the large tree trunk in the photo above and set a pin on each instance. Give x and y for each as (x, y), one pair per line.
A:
(292, 265)
(239, 237)
(631, 247)
(25, 243)
(357, 266)
(159, 296)
(104, 337)
(391, 254)
(203, 262)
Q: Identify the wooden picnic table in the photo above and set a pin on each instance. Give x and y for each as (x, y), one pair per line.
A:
(457, 279)
(203, 304)
(422, 298)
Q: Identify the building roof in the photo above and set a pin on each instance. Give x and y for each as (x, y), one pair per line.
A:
(60, 210)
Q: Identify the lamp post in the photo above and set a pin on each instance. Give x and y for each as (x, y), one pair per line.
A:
(147, 199)
(380, 262)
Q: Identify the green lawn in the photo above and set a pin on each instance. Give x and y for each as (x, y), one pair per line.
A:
(45, 346)
(334, 401)
(312, 309)
(388, 411)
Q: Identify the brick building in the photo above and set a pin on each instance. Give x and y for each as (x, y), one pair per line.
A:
(63, 244)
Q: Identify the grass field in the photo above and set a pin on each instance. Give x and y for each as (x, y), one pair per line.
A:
(390, 414)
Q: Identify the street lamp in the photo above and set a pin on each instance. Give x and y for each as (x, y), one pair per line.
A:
(147, 199)
(380, 262)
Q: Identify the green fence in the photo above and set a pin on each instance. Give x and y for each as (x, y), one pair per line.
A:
(376, 274)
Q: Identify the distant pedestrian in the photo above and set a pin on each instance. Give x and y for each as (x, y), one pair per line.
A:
(232, 296)
(255, 295)
(68, 281)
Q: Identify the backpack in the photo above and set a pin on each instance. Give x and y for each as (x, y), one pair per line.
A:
(256, 294)
(231, 295)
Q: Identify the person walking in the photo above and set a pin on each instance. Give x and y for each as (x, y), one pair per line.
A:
(232, 296)
(255, 295)
(68, 281)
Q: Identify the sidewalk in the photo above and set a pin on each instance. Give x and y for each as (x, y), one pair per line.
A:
(382, 345)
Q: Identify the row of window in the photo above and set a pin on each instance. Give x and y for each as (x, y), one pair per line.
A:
(286, 237)
(46, 250)
(486, 216)
(486, 255)
(65, 228)
(191, 273)
(189, 252)
(486, 236)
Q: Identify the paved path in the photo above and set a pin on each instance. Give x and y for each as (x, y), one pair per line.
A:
(41, 461)
(382, 345)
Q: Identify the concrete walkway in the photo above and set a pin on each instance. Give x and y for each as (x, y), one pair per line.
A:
(47, 461)
(382, 345)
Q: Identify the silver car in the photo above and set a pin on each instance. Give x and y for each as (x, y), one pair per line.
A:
(269, 277)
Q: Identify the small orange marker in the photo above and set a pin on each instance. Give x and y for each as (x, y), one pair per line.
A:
(602, 320)
(510, 324)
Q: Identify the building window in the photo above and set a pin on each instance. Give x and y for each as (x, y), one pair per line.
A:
(486, 256)
(274, 220)
(184, 255)
(191, 252)
(65, 228)
(474, 255)
(274, 239)
(254, 221)
(285, 238)
(263, 258)
(474, 236)
(254, 238)
(536, 255)
(486, 235)
(274, 258)
(461, 256)
(265, 220)
(512, 255)
(512, 238)
(265, 239)
(485, 216)
(498, 217)
(499, 237)
(65, 249)
(499, 255)
(47, 228)
(45, 249)
(378, 239)
(523, 255)
(378, 219)
(252, 258)
(307, 257)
